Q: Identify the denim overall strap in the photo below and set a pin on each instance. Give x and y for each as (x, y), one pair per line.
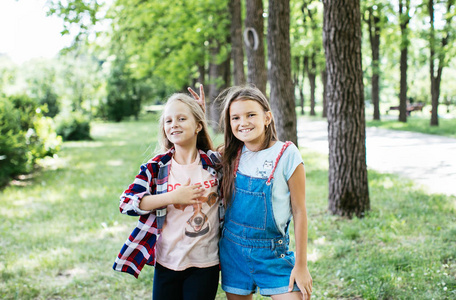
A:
(250, 215)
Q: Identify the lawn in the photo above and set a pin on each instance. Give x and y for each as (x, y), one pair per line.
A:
(61, 229)
(447, 127)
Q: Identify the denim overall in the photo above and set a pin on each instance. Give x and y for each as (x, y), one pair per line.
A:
(253, 252)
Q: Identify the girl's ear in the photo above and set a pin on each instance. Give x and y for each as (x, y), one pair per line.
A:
(268, 118)
(199, 127)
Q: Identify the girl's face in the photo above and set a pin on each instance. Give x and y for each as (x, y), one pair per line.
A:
(180, 125)
(248, 121)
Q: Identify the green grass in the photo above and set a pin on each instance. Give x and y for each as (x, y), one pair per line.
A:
(417, 122)
(447, 127)
(61, 229)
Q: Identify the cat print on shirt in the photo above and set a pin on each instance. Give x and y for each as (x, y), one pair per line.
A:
(266, 169)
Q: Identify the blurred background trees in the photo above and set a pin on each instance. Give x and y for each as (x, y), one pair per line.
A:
(128, 55)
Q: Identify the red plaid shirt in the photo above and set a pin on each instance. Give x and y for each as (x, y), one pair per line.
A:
(139, 249)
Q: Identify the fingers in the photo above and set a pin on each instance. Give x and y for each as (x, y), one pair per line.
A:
(203, 97)
(194, 94)
(306, 291)
(196, 191)
(291, 283)
(188, 182)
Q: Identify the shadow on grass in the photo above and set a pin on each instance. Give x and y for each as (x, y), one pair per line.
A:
(61, 233)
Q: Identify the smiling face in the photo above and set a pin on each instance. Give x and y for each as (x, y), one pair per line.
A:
(180, 125)
(248, 121)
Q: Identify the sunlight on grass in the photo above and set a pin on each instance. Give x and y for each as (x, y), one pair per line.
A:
(61, 232)
(447, 127)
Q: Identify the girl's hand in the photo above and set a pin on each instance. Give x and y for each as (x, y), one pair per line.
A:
(303, 280)
(187, 194)
(201, 99)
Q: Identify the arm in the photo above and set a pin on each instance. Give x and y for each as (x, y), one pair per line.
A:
(137, 199)
(185, 195)
(300, 274)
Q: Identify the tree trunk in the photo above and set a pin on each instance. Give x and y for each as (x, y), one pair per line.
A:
(279, 75)
(254, 44)
(298, 82)
(217, 71)
(437, 78)
(435, 82)
(311, 72)
(324, 80)
(348, 185)
(374, 37)
(404, 21)
(237, 50)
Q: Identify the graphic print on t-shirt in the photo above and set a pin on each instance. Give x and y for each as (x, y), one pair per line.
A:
(197, 225)
(265, 169)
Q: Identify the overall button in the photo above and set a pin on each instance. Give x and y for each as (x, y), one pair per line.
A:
(282, 255)
(280, 242)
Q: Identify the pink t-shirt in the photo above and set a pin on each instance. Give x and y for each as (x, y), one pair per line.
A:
(190, 234)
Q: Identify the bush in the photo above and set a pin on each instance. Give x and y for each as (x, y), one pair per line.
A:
(73, 126)
(13, 149)
(25, 136)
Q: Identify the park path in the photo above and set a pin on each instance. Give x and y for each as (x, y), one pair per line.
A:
(429, 160)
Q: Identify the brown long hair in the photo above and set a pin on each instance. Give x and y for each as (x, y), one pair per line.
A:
(231, 145)
(203, 141)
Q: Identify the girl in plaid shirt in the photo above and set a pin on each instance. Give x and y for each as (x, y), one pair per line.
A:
(175, 195)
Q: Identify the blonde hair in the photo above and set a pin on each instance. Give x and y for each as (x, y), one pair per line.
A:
(232, 145)
(203, 141)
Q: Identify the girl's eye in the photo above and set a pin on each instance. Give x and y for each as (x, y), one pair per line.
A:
(234, 118)
(251, 115)
(181, 119)
(167, 121)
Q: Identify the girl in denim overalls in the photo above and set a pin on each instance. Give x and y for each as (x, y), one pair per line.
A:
(264, 186)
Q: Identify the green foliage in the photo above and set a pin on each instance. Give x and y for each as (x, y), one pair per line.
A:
(73, 126)
(124, 96)
(168, 41)
(41, 83)
(25, 136)
(13, 153)
(82, 14)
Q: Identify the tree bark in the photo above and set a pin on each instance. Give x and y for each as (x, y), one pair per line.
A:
(237, 50)
(279, 73)
(404, 21)
(254, 44)
(324, 81)
(348, 185)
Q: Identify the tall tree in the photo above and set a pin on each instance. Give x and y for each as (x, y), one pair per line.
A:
(373, 18)
(348, 185)
(404, 20)
(254, 44)
(310, 64)
(324, 82)
(298, 80)
(438, 54)
(310, 68)
(279, 73)
(237, 50)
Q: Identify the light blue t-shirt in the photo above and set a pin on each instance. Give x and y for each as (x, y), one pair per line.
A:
(260, 164)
